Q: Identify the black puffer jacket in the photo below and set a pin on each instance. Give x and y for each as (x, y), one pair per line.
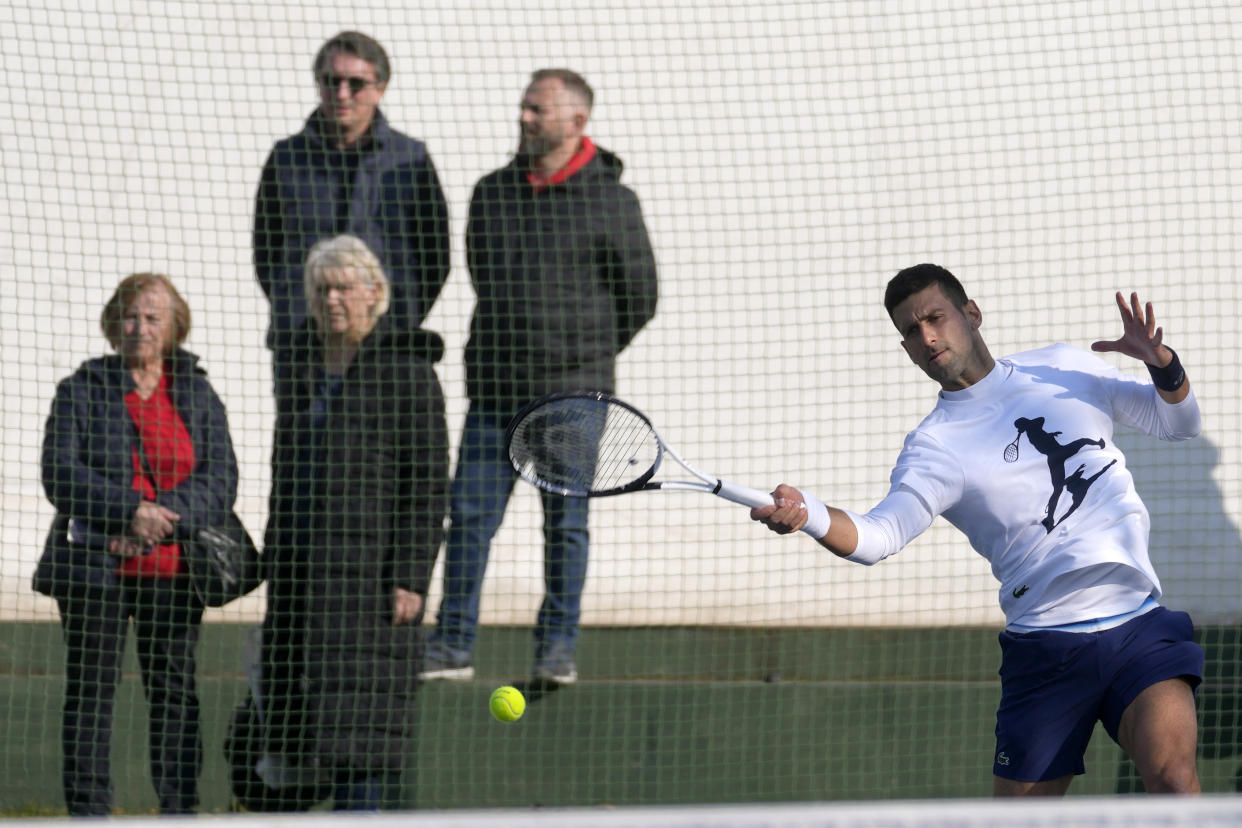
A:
(374, 521)
(565, 278)
(88, 467)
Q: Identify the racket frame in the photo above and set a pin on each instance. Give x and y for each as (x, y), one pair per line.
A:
(705, 483)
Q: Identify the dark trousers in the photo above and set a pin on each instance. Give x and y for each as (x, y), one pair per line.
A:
(166, 615)
(363, 790)
(283, 683)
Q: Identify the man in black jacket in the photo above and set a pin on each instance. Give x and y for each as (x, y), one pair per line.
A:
(348, 171)
(565, 277)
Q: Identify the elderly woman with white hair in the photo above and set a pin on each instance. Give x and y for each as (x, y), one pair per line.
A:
(359, 493)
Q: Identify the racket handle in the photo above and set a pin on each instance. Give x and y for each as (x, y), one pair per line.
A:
(742, 494)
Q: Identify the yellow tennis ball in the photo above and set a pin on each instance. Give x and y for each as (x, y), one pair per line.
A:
(507, 704)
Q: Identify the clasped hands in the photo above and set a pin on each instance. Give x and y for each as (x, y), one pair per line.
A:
(152, 524)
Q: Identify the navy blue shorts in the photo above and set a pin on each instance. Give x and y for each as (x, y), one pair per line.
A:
(1055, 685)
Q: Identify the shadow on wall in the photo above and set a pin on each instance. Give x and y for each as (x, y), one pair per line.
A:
(1195, 545)
(1197, 551)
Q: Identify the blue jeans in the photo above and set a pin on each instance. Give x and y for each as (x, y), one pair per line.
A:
(481, 490)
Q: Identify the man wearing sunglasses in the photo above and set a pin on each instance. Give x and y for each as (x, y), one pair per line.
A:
(349, 172)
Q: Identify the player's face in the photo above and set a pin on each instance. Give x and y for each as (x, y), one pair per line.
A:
(343, 304)
(146, 328)
(348, 95)
(552, 116)
(943, 339)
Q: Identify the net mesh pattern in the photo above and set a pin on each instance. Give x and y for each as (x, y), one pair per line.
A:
(780, 161)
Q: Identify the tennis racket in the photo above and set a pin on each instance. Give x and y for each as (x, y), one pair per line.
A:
(590, 444)
(1011, 450)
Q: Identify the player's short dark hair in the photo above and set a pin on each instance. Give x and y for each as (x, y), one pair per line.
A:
(914, 279)
(572, 80)
(358, 45)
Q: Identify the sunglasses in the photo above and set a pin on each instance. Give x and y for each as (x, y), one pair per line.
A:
(333, 82)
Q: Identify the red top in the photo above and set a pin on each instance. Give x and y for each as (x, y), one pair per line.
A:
(171, 457)
(581, 158)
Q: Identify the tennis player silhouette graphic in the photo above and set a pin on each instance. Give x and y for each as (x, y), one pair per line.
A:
(1077, 486)
(1045, 443)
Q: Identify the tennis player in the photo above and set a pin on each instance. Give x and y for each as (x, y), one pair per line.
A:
(1085, 638)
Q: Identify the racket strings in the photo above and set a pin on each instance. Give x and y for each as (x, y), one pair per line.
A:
(583, 445)
(628, 450)
(552, 446)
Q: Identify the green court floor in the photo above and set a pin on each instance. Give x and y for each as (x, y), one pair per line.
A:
(660, 715)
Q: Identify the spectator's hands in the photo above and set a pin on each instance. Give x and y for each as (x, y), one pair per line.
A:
(1140, 337)
(152, 522)
(787, 512)
(405, 606)
(123, 546)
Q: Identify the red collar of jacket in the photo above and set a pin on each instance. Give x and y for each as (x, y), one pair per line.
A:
(581, 158)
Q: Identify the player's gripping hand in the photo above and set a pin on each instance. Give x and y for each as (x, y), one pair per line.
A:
(787, 512)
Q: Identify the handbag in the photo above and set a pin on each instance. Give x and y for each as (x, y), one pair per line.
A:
(223, 562)
(222, 559)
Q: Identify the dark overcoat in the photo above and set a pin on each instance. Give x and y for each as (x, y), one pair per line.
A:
(371, 519)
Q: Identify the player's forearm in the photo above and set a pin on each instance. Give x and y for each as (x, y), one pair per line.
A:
(885, 530)
(842, 536)
(1181, 420)
(1175, 397)
(864, 539)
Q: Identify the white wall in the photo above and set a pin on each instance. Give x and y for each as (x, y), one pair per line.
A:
(789, 156)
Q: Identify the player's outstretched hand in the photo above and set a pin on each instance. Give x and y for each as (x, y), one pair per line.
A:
(786, 514)
(1140, 337)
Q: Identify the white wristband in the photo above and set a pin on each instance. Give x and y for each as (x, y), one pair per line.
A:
(817, 517)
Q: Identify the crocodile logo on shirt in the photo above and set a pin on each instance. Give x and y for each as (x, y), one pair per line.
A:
(1046, 443)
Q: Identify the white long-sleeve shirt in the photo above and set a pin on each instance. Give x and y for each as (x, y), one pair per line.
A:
(1057, 514)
